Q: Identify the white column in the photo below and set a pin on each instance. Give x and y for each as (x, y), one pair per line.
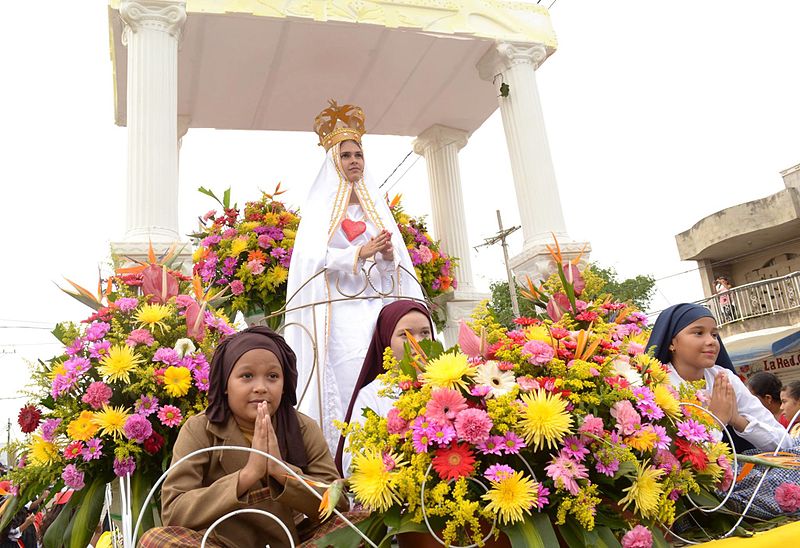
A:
(440, 145)
(152, 31)
(531, 164)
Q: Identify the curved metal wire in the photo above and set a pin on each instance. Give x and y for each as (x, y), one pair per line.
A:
(270, 515)
(280, 463)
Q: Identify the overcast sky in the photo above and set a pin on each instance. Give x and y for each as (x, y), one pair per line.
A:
(658, 114)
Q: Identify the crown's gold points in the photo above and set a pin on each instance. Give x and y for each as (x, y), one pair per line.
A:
(339, 123)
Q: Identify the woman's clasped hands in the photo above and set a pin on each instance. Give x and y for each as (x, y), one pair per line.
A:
(382, 243)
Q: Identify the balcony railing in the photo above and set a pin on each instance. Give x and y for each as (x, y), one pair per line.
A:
(755, 299)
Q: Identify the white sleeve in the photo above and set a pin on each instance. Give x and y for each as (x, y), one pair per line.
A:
(763, 431)
(344, 259)
(367, 398)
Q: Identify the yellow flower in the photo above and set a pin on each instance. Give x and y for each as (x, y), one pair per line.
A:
(111, 420)
(511, 497)
(538, 333)
(58, 369)
(42, 452)
(643, 440)
(238, 246)
(177, 381)
(153, 315)
(545, 420)
(666, 401)
(448, 371)
(105, 540)
(372, 482)
(277, 275)
(645, 491)
(82, 428)
(119, 363)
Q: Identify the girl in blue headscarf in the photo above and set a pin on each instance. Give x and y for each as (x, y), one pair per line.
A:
(685, 338)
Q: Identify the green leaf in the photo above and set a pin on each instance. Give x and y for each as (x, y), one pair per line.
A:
(53, 537)
(535, 531)
(82, 527)
(208, 192)
(658, 538)
(11, 509)
(572, 535)
(606, 538)
(403, 524)
(140, 488)
(431, 347)
(373, 527)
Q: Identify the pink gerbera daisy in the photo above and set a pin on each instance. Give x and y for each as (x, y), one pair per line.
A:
(445, 404)
(169, 415)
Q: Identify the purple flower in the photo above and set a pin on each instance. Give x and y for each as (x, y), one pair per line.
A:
(538, 352)
(49, 428)
(140, 336)
(574, 448)
(497, 472)
(167, 355)
(275, 233)
(146, 405)
(97, 330)
(645, 403)
(200, 376)
(663, 439)
(421, 435)
(228, 266)
(97, 395)
(124, 467)
(692, 431)
(137, 428)
(208, 241)
(237, 287)
(260, 230)
(77, 366)
(609, 469)
(73, 478)
(99, 349)
(442, 433)
(541, 497)
(75, 347)
(512, 443)
(182, 301)
(61, 384)
(493, 445)
(93, 449)
(126, 304)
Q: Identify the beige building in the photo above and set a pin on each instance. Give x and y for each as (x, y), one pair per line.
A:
(756, 246)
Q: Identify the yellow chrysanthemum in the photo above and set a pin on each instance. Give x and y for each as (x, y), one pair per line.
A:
(42, 452)
(448, 371)
(538, 333)
(58, 369)
(110, 420)
(119, 363)
(545, 420)
(666, 401)
(153, 315)
(82, 428)
(371, 481)
(177, 381)
(645, 492)
(511, 497)
(238, 246)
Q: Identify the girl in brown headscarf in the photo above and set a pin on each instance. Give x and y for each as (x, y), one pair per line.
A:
(251, 404)
(394, 321)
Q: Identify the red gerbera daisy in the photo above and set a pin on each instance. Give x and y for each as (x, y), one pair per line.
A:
(453, 462)
(29, 418)
(691, 453)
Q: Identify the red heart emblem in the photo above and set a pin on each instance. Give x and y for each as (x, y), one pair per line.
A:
(353, 229)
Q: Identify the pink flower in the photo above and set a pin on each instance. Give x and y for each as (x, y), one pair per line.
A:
(591, 425)
(493, 445)
(126, 304)
(693, 431)
(496, 472)
(237, 287)
(169, 415)
(124, 467)
(574, 448)
(468, 341)
(49, 429)
(638, 537)
(634, 348)
(146, 405)
(787, 495)
(727, 473)
(527, 383)
(255, 267)
(73, 450)
(628, 420)
(137, 428)
(97, 331)
(480, 390)
(473, 425)
(442, 433)
(445, 404)
(512, 443)
(395, 424)
(424, 254)
(140, 336)
(73, 478)
(97, 395)
(538, 352)
(565, 472)
(93, 449)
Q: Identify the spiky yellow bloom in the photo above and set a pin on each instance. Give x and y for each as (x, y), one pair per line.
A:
(238, 246)
(643, 440)
(545, 420)
(58, 369)
(448, 371)
(666, 401)
(538, 333)
(177, 381)
(82, 428)
(645, 491)
(372, 481)
(511, 497)
(119, 363)
(153, 315)
(110, 420)
(42, 452)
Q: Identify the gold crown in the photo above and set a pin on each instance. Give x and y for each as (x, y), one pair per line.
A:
(339, 123)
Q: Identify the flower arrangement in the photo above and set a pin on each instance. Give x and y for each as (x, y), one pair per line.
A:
(435, 269)
(112, 404)
(561, 428)
(247, 253)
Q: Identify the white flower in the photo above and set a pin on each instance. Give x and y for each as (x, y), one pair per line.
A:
(184, 346)
(499, 382)
(623, 368)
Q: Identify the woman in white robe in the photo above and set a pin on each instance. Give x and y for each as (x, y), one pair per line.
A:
(349, 260)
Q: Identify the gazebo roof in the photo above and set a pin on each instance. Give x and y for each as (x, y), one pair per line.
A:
(272, 65)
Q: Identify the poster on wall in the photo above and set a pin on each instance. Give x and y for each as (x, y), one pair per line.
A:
(786, 367)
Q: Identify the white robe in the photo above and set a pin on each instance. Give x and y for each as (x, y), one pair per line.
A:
(762, 430)
(333, 298)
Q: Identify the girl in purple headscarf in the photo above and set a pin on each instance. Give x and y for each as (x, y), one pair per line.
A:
(394, 321)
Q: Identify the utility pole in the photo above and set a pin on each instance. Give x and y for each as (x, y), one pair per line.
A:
(501, 237)
(8, 445)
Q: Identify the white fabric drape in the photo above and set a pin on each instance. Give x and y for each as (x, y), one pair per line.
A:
(333, 297)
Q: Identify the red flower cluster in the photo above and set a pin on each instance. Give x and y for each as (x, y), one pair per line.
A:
(153, 444)
(29, 418)
(693, 454)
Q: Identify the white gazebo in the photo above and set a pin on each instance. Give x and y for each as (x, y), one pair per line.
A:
(431, 69)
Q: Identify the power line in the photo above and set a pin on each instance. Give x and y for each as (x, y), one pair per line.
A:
(404, 174)
(26, 321)
(26, 327)
(396, 168)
